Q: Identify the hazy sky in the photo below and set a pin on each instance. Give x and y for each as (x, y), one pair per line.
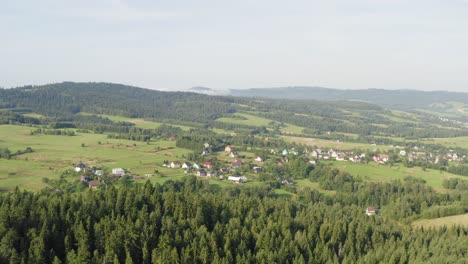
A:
(419, 44)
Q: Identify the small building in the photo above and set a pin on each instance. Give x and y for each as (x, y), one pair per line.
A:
(312, 161)
(224, 170)
(257, 169)
(211, 174)
(186, 165)
(175, 164)
(201, 173)
(205, 152)
(196, 166)
(371, 210)
(136, 177)
(340, 157)
(93, 184)
(83, 178)
(233, 154)
(80, 167)
(118, 172)
(259, 159)
(207, 164)
(229, 148)
(240, 179)
(206, 145)
(98, 172)
(285, 152)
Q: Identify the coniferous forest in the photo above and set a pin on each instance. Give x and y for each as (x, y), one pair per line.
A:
(190, 222)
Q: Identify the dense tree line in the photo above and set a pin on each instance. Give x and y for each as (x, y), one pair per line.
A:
(189, 222)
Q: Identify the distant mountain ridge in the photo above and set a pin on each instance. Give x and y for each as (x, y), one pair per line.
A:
(399, 99)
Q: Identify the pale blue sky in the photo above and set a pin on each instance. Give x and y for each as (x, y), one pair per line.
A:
(417, 44)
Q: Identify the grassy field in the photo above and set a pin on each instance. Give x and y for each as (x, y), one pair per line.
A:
(443, 221)
(323, 143)
(54, 154)
(461, 142)
(383, 173)
(139, 122)
(252, 120)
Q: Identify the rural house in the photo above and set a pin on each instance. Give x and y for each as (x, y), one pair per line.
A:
(241, 179)
(371, 211)
(229, 148)
(80, 167)
(201, 173)
(175, 164)
(118, 172)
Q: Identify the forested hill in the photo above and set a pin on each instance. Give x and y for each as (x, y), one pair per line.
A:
(115, 99)
(403, 99)
(69, 104)
(122, 100)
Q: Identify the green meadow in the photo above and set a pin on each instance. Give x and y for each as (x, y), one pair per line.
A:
(447, 221)
(54, 154)
(139, 122)
(252, 120)
(384, 173)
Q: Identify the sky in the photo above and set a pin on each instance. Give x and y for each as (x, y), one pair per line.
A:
(174, 45)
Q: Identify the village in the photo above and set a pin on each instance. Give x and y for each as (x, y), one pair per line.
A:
(233, 167)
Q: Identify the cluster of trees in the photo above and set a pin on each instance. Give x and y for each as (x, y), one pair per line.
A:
(190, 222)
(56, 132)
(5, 153)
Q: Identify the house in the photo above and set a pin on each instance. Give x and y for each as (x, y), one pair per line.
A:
(118, 172)
(224, 170)
(257, 169)
(93, 184)
(148, 175)
(402, 153)
(233, 154)
(340, 157)
(312, 161)
(285, 152)
(229, 148)
(80, 167)
(371, 211)
(186, 165)
(241, 179)
(166, 163)
(211, 174)
(355, 159)
(201, 173)
(207, 164)
(175, 164)
(205, 152)
(285, 181)
(136, 177)
(273, 151)
(83, 178)
(259, 159)
(206, 145)
(196, 166)
(98, 172)
(316, 153)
